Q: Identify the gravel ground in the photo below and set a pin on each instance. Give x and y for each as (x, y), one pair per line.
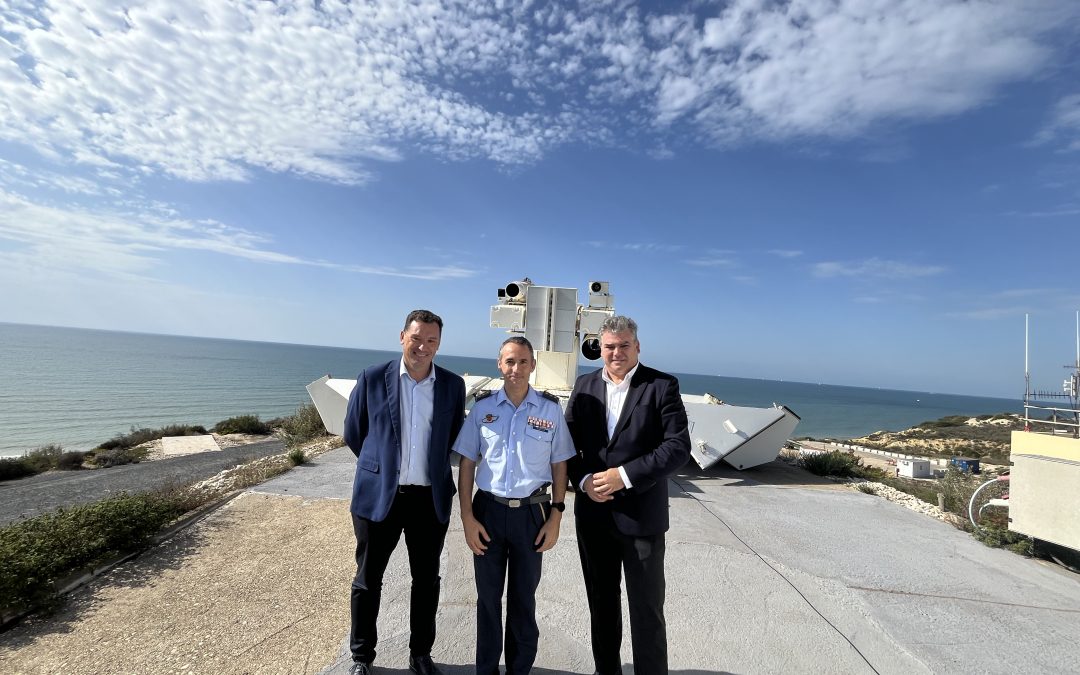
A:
(256, 588)
(32, 496)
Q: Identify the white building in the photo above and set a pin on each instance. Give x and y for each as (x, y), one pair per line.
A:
(914, 468)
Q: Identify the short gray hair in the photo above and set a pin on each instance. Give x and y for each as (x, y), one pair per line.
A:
(619, 324)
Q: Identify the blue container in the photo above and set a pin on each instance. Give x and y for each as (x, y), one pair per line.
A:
(969, 464)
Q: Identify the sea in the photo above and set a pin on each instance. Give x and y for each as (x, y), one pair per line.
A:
(78, 387)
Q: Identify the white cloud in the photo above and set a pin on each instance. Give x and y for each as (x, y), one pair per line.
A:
(636, 246)
(129, 245)
(785, 253)
(1063, 128)
(711, 261)
(875, 267)
(205, 90)
(1063, 210)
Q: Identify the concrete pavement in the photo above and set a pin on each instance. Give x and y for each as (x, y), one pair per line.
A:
(769, 570)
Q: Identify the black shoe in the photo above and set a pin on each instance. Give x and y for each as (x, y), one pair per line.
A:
(361, 668)
(423, 665)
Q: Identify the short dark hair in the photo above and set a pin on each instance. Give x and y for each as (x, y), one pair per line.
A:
(423, 316)
(518, 340)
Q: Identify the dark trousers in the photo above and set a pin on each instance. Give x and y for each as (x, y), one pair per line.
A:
(512, 532)
(412, 512)
(605, 555)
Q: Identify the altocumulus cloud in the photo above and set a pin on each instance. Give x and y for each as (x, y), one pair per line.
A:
(216, 90)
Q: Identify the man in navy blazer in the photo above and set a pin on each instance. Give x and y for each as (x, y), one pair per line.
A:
(629, 425)
(401, 421)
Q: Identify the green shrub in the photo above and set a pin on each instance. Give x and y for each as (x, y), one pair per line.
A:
(38, 552)
(140, 436)
(303, 425)
(866, 488)
(835, 463)
(70, 461)
(119, 455)
(15, 467)
(958, 486)
(297, 456)
(1002, 537)
(243, 424)
(949, 421)
(44, 458)
(923, 490)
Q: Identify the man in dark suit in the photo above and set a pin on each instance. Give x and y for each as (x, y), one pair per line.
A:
(401, 421)
(629, 425)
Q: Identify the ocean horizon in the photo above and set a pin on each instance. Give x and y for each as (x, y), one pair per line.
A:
(78, 387)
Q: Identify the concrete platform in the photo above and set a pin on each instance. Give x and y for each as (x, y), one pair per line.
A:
(769, 570)
(173, 446)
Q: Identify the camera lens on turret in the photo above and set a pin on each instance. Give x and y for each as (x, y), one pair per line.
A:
(590, 348)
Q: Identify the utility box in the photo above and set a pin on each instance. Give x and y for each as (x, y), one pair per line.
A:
(1043, 496)
(914, 468)
(969, 464)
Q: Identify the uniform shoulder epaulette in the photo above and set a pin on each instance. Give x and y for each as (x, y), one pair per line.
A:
(549, 396)
(480, 396)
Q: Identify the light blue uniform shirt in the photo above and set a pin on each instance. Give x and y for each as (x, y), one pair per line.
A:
(514, 448)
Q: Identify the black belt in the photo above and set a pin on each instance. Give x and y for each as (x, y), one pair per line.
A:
(522, 501)
(405, 489)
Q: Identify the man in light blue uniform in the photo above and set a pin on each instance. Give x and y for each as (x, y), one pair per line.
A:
(514, 445)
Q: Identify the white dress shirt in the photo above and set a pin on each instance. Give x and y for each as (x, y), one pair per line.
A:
(417, 406)
(614, 399)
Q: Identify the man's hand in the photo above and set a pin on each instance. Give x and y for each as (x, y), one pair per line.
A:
(590, 490)
(606, 483)
(475, 534)
(549, 533)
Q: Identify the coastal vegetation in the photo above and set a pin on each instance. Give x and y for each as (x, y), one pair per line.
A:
(986, 437)
(243, 424)
(39, 460)
(37, 553)
(38, 556)
(302, 426)
(953, 489)
(297, 429)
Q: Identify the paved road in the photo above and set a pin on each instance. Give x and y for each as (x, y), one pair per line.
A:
(28, 497)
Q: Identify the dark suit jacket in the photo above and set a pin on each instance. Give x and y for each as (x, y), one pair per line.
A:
(650, 442)
(373, 433)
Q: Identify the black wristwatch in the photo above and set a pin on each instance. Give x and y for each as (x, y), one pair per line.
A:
(559, 506)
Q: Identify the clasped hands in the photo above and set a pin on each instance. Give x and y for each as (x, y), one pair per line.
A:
(602, 485)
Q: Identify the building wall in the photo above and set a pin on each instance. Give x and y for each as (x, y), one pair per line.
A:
(1044, 501)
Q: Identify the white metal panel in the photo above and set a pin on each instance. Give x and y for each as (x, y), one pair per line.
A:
(743, 437)
(331, 397)
(551, 319)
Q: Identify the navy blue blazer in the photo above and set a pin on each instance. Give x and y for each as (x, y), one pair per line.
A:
(373, 433)
(650, 442)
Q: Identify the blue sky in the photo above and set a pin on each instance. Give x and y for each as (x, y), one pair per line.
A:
(864, 192)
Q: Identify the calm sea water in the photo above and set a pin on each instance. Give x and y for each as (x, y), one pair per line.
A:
(80, 387)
